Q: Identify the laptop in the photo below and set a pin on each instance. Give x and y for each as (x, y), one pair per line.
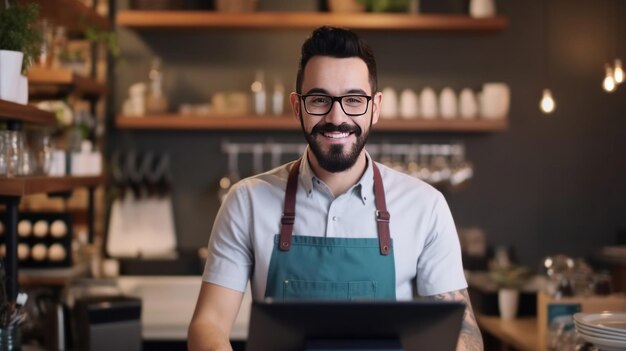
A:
(364, 325)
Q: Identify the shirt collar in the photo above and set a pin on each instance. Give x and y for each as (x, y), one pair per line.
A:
(364, 188)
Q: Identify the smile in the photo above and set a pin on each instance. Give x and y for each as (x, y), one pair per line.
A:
(336, 135)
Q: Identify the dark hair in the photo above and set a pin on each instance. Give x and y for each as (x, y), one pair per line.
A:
(339, 43)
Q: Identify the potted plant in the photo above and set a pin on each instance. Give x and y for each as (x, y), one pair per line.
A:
(509, 279)
(77, 56)
(20, 43)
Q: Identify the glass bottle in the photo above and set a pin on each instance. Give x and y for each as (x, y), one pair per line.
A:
(278, 97)
(258, 93)
(156, 103)
(59, 46)
(45, 55)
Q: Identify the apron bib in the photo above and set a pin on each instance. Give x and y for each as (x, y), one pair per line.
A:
(321, 268)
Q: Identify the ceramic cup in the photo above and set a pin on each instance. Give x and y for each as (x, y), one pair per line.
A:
(389, 105)
(494, 100)
(448, 103)
(408, 104)
(482, 8)
(10, 69)
(22, 90)
(428, 103)
(468, 104)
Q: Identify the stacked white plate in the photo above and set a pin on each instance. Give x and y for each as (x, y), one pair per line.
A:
(606, 330)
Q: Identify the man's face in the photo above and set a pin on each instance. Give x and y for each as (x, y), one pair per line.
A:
(336, 139)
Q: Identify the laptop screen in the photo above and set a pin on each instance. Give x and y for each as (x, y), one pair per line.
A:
(364, 325)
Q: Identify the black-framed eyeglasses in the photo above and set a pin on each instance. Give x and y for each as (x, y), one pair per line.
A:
(320, 104)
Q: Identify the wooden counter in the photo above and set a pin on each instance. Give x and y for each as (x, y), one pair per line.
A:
(519, 334)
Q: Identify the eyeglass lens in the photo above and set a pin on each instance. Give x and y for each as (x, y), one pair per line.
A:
(353, 105)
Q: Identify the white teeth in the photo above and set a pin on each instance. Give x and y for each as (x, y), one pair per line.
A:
(336, 135)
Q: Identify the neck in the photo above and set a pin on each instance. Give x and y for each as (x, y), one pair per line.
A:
(339, 182)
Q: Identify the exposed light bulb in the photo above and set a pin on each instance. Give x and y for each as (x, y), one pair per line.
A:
(609, 82)
(618, 72)
(547, 104)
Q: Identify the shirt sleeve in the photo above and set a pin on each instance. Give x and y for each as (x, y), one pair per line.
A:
(230, 259)
(440, 267)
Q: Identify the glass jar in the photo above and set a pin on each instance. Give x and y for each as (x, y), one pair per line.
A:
(3, 154)
(14, 150)
(10, 338)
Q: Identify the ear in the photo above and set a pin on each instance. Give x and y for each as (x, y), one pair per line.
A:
(295, 105)
(376, 101)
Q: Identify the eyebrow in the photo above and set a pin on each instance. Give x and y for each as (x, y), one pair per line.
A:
(324, 91)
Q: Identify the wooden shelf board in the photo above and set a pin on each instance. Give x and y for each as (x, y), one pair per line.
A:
(20, 186)
(214, 122)
(442, 125)
(10, 111)
(252, 123)
(52, 276)
(72, 14)
(305, 20)
(45, 81)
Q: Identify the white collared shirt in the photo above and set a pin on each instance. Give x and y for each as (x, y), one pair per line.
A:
(425, 242)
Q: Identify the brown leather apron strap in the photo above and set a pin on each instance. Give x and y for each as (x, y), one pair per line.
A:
(382, 216)
(289, 209)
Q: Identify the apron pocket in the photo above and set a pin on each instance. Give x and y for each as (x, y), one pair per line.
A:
(328, 290)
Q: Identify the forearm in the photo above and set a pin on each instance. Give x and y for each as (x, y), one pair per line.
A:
(470, 338)
(206, 337)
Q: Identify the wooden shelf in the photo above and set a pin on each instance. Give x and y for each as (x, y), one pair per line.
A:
(52, 82)
(10, 111)
(20, 186)
(193, 20)
(52, 276)
(442, 125)
(254, 123)
(72, 14)
(209, 123)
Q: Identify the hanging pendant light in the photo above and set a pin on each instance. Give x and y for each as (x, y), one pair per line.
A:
(618, 72)
(609, 82)
(547, 104)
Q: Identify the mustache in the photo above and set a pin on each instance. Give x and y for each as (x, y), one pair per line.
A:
(342, 128)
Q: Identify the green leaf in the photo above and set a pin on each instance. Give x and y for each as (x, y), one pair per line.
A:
(18, 31)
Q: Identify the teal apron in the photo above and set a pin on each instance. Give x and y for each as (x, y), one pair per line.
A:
(311, 267)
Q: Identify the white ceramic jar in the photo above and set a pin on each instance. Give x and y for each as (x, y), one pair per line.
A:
(428, 103)
(408, 104)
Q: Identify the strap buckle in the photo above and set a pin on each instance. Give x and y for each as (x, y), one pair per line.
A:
(382, 216)
(288, 218)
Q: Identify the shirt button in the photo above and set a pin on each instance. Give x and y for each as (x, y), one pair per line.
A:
(335, 218)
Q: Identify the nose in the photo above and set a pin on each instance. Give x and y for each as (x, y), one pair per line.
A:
(336, 115)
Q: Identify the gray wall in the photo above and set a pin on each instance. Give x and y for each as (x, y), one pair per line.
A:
(547, 185)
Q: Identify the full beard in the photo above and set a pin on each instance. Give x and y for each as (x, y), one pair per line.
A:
(338, 158)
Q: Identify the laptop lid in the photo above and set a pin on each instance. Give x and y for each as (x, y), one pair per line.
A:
(364, 325)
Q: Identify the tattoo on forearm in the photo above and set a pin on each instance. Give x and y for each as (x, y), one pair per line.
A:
(470, 338)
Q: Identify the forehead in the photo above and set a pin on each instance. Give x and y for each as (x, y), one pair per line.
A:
(336, 75)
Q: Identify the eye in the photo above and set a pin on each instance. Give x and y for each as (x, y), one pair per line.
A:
(319, 99)
(353, 99)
